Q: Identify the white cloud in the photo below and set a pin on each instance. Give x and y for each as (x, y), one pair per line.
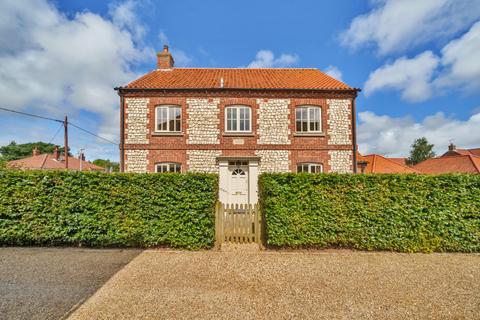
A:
(411, 76)
(333, 72)
(124, 16)
(393, 136)
(266, 59)
(57, 65)
(162, 36)
(394, 26)
(418, 78)
(461, 59)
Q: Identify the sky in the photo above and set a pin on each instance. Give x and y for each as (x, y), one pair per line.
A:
(417, 62)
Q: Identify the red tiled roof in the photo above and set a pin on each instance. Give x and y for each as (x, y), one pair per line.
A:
(402, 161)
(380, 164)
(237, 78)
(48, 161)
(450, 164)
(465, 152)
(475, 152)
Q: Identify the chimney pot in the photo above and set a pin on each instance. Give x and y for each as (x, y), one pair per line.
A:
(451, 147)
(35, 151)
(165, 59)
(56, 154)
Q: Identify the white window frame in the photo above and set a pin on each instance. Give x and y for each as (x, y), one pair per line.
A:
(310, 165)
(309, 121)
(237, 109)
(168, 165)
(168, 107)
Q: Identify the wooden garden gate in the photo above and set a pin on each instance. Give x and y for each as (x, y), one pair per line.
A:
(238, 223)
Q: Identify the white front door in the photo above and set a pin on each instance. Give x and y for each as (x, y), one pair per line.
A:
(238, 182)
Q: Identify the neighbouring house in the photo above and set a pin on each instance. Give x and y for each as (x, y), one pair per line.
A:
(453, 161)
(53, 161)
(454, 151)
(375, 163)
(237, 122)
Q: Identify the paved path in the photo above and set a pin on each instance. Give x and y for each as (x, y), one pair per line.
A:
(162, 284)
(46, 283)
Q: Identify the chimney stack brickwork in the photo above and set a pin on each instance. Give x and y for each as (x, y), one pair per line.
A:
(56, 154)
(165, 59)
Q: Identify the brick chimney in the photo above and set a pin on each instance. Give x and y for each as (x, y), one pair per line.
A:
(452, 147)
(56, 154)
(164, 59)
(35, 151)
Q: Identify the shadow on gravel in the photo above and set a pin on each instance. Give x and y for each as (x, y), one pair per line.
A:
(50, 283)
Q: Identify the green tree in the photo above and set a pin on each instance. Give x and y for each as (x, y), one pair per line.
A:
(420, 150)
(105, 163)
(14, 151)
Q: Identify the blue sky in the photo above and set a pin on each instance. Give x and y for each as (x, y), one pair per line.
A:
(416, 61)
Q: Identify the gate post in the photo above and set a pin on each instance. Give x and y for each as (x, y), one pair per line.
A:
(218, 225)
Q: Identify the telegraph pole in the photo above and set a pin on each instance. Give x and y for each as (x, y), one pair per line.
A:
(65, 136)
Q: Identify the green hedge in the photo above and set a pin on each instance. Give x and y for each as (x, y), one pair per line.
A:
(99, 209)
(407, 213)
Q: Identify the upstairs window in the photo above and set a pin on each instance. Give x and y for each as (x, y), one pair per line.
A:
(238, 119)
(308, 119)
(309, 168)
(168, 167)
(168, 119)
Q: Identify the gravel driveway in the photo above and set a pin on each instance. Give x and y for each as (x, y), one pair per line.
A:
(46, 283)
(337, 284)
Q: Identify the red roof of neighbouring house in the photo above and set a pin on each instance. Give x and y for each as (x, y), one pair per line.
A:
(450, 164)
(237, 78)
(380, 164)
(465, 152)
(48, 161)
(402, 161)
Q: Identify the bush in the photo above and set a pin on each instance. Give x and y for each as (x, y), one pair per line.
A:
(407, 213)
(99, 209)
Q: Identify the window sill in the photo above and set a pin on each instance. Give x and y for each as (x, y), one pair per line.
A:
(169, 134)
(238, 134)
(313, 134)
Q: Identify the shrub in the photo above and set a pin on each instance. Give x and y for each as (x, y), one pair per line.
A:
(407, 213)
(99, 209)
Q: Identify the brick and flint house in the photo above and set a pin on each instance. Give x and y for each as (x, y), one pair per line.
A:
(236, 122)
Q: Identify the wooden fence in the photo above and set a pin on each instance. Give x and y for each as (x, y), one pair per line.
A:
(238, 223)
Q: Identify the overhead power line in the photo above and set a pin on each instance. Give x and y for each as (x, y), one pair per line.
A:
(58, 120)
(58, 130)
(93, 134)
(30, 114)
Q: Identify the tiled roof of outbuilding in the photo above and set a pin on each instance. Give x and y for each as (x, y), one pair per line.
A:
(380, 164)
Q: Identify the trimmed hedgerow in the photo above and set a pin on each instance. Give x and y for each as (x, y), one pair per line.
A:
(100, 209)
(406, 213)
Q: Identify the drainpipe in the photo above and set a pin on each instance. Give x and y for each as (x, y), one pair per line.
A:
(354, 134)
(122, 134)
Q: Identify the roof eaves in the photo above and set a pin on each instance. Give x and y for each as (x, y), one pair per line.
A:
(126, 88)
